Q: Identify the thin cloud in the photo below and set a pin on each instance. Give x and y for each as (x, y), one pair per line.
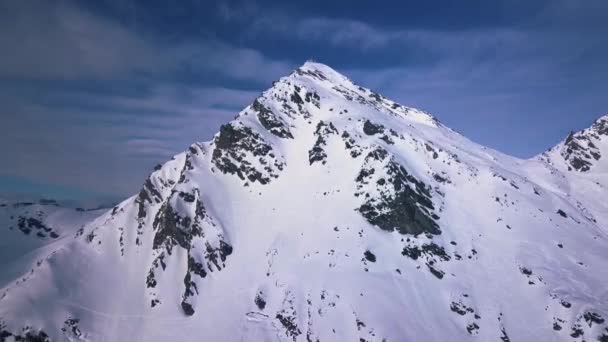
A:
(57, 40)
(92, 103)
(116, 139)
(147, 146)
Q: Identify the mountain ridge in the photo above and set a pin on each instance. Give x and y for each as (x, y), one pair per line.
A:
(326, 211)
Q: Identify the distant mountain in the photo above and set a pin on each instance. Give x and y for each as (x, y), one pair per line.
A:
(583, 151)
(35, 228)
(327, 212)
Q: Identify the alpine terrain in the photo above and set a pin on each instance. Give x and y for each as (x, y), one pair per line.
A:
(326, 212)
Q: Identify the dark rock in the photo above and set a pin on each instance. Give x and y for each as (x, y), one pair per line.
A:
(525, 271)
(387, 139)
(29, 336)
(291, 328)
(71, 326)
(317, 153)
(458, 308)
(260, 302)
(437, 273)
(412, 252)
(4, 335)
(297, 99)
(314, 98)
(579, 151)
(376, 96)
(29, 224)
(151, 280)
(369, 256)
(196, 268)
(221, 252)
(188, 197)
(431, 149)
(440, 178)
(593, 317)
(408, 211)
(171, 229)
(472, 328)
(503, 335)
(316, 74)
(231, 146)
(146, 195)
(270, 121)
(430, 250)
(370, 128)
(187, 308)
(576, 332)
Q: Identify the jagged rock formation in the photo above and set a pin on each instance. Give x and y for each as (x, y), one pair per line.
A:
(582, 150)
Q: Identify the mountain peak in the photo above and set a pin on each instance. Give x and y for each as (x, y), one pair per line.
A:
(602, 118)
(601, 124)
(321, 72)
(582, 150)
(314, 65)
(316, 89)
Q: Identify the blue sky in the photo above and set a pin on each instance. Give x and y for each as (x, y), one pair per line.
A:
(93, 94)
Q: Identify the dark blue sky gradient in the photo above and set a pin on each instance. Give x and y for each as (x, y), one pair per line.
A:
(94, 93)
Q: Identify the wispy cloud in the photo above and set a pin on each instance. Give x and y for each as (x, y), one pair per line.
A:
(92, 103)
(60, 40)
(114, 139)
(55, 40)
(337, 32)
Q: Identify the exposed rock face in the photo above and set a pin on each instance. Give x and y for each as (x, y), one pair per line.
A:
(196, 234)
(324, 211)
(317, 153)
(402, 203)
(242, 152)
(271, 122)
(371, 129)
(582, 150)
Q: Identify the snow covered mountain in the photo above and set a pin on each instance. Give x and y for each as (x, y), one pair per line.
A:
(327, 212)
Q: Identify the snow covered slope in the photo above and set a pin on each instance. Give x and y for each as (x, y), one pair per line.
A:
(31, 230)
(326, 212)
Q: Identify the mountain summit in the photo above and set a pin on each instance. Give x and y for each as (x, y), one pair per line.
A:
(582, 151)
(327, 212)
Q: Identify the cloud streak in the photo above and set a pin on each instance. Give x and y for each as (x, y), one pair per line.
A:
(91, 103)
(56, 40)
(116, 140)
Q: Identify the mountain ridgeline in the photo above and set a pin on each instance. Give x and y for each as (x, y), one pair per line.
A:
(327, 212)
